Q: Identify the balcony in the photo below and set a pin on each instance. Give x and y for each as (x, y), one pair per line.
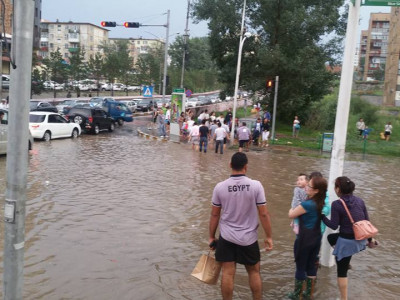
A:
(73, 30)
(44, 38)
(73, 38)
(44, 49)
(73, 50)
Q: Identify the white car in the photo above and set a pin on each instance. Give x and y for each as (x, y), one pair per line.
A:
(193, 102)
(49, 125)
(132, 105)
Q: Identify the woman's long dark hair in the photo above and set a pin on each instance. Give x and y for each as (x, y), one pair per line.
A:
(320, 184)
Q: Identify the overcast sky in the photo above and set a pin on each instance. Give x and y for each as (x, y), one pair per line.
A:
(151, 12)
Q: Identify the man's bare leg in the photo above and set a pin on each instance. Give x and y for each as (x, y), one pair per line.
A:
(255, 281)
(228, 277)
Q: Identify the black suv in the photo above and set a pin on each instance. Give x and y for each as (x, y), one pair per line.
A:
(91, 119)
(145, 104)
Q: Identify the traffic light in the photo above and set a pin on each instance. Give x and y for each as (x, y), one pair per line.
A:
(108, 24)
(131, 24)
(270, 84)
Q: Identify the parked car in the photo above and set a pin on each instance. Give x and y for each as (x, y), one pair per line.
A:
(5, 82)
(4, 133)
(145, 104)
(193, 102)
(132, 88)
(75, 103)
(91, 119)
(87, 85)
(130, 103)
(35, 105)
(205, 100)
(67, 104)
(48, 125)
(99, 101)
(119, 87)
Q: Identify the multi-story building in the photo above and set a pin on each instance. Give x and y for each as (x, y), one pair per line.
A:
(69, 37)
(5, 59)
(140, 46)
(374, 44)
(391, 94)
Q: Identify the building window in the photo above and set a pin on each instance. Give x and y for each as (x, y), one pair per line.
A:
(66, 46)
(66, 55)
(51, 45)
(138, 42)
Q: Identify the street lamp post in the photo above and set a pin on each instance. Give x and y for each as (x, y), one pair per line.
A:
(246, 35)
(241, 41)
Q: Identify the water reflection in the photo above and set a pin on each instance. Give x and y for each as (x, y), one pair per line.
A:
(118, 216)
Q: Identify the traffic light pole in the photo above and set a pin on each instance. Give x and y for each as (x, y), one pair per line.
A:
(17, 151)
(185, 43)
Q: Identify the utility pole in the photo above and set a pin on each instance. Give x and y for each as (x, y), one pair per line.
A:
(3, 35)
(275, 107)
(165, 58)
(342, 116)
(17, 151)
(185, 46)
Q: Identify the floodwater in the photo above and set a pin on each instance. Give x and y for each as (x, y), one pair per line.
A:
(118, 216)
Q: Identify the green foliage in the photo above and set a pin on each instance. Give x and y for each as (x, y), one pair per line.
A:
(362, 109)
(96, 67)
(56, 68)
(292, 43)
(117, 62)
(149, 67)
(78, 69)
(322, 114)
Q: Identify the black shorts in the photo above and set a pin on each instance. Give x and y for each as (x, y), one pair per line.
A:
(387, 133)
(242, 143)
(224, 140)
(230, 252)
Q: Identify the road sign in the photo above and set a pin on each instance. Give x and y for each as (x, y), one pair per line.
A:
(147, 91)
(380, 3)
(188, 93)
(179, 91)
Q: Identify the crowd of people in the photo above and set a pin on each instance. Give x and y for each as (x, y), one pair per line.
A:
(364, 130)
(237, 204)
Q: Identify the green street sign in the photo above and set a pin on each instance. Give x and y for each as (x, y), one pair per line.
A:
(380, 3)
(179, 90)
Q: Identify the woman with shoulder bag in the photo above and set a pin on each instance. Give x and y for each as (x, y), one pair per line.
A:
(344, 243)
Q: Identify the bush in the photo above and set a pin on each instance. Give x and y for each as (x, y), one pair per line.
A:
(323, 113)
(365, 110)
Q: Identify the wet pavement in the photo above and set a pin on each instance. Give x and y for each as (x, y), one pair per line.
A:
(119, 216)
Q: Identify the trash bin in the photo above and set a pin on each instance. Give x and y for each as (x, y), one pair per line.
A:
(327, 142)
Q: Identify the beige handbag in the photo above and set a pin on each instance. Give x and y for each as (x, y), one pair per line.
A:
(207, 269)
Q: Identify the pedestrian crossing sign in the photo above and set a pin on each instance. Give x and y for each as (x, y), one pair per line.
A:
(147, 91)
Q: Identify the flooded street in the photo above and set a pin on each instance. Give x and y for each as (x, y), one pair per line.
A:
(117, 216)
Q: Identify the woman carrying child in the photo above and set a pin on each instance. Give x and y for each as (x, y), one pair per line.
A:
(308, 241)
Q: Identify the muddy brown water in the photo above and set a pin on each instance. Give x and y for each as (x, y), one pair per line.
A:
(117, 216)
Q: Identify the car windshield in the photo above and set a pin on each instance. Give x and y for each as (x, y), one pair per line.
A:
(33, 104)
(36, 118)
(67, 102)
(145, 101)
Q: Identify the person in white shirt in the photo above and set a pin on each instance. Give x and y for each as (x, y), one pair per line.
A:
(225, 126)
(360, 126)
(219, 136)
(194, 136)
(388, 131)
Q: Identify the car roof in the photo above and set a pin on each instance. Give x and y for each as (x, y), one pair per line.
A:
(43, 113)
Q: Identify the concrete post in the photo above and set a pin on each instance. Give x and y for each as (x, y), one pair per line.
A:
(275, 107)
(165, 58)
(241, 40)
(185, 43)
(17, 150)
(342, 117)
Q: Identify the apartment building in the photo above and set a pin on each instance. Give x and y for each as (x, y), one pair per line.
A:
(391, 94)
(140, 46)
(8, 4)
(374, 44)
(70, 36)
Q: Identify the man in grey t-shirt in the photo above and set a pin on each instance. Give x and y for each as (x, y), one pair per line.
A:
(236, 202)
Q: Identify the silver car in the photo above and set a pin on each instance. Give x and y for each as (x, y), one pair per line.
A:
(4, 133)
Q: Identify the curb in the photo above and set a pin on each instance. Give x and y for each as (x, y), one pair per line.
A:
(153, 137)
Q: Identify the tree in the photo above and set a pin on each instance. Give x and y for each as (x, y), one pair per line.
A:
(292, 43)
(37, 80)
(96, 67)
(57, 68)
(149, 68)
(117, 62)
(379, 74)
(78, 69)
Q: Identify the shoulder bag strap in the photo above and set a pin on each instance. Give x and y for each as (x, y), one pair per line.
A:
(347, 210)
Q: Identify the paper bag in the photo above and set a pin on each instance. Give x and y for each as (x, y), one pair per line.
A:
(207, 269)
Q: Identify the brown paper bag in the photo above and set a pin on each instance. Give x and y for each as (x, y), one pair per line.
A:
(207, 269)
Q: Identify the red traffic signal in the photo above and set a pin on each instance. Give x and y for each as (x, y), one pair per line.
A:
(270, 84)
(131, 24)
(108, 24)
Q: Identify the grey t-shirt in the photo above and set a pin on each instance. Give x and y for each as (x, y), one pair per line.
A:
(299, 195)
(238, 197)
